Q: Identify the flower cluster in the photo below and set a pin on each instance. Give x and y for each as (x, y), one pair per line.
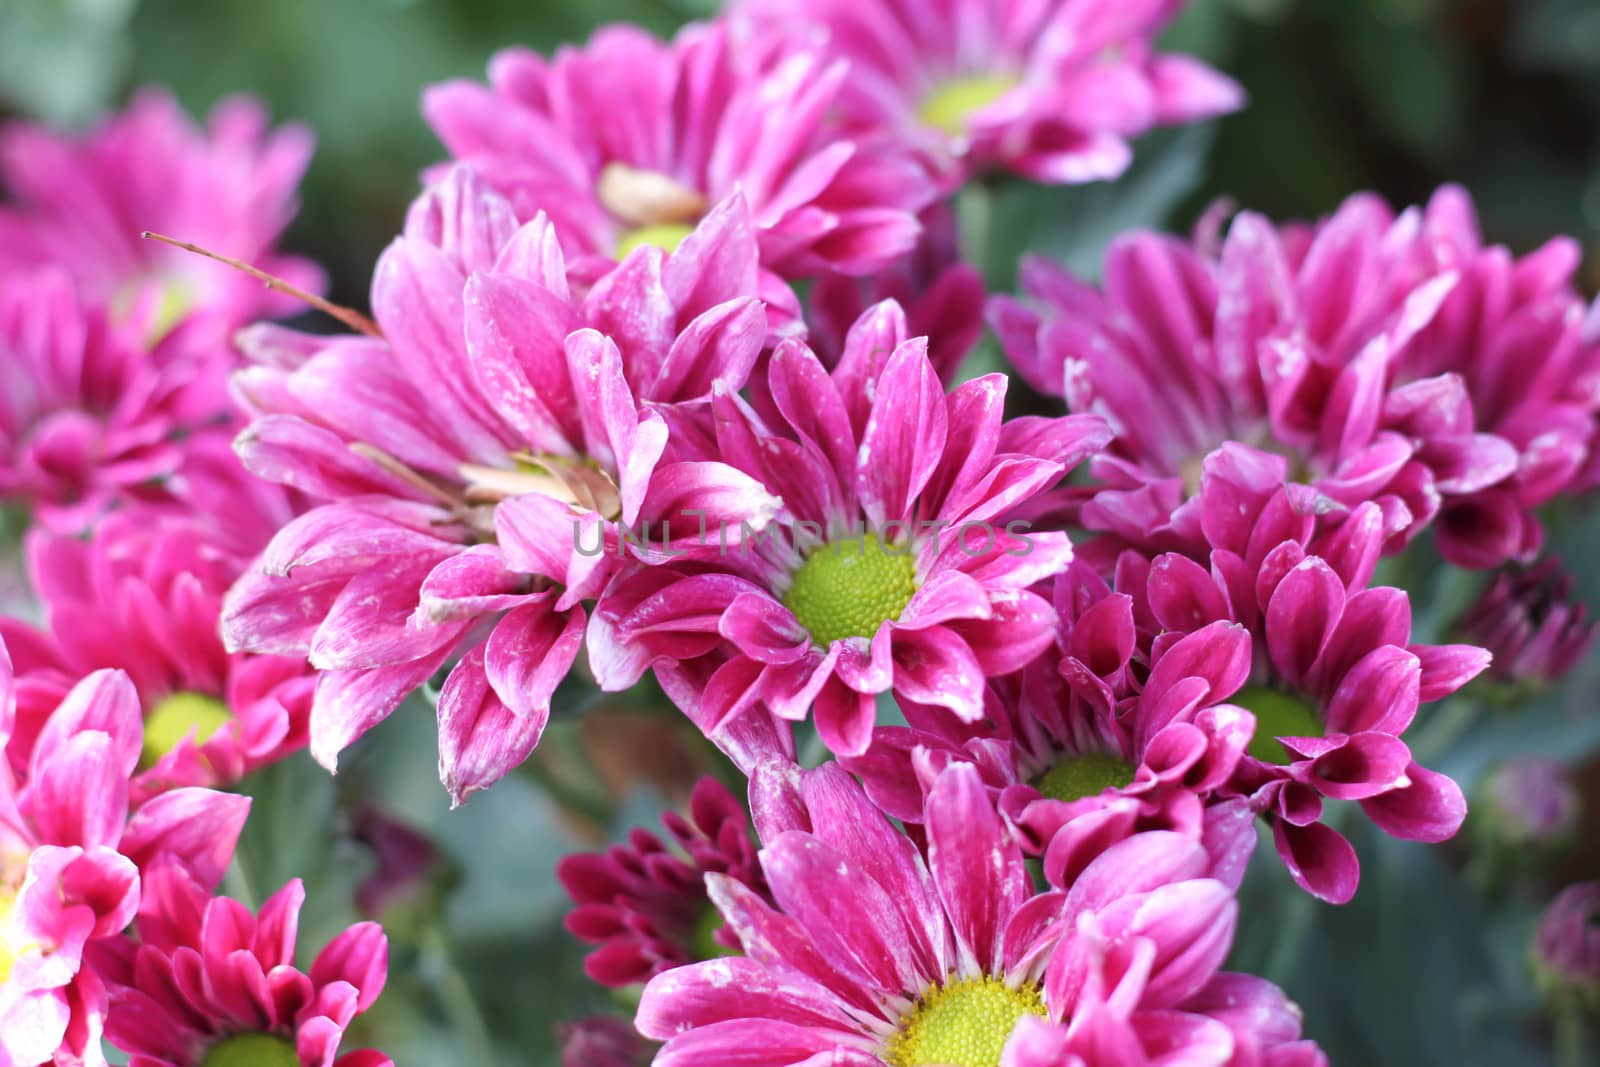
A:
(663, 381)
(120, 709)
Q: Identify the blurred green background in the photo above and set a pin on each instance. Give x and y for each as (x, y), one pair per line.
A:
(1392, 95)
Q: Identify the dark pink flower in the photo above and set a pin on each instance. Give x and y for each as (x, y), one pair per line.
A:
(1531, 620)
(630, 140)
(645, 903)
(81, 204)
(144, 595)
(508, 419)
(1075, 753)
(87, 414)
(1525, 348)
(1388, 357)
(892, 567)
(1053, 90)
(876, 956)
(208, 984)
(1334, 680)
(71, 857)
(1284, 340)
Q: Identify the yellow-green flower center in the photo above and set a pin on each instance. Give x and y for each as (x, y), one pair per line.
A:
(8, 953)
(1084, 776)
(174, 718)
(951, 106)
(666, 236)
(252, 1050)
(175, 298)
(852, 587)
(962, 1024)
(1278, 714)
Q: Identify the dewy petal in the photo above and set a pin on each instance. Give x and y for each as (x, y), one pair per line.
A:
(198, 828)
(1319, 859)
(530, 651)
(696, 996)
(851, 918)
(904, 436)
(976, 865)
(1431, 808)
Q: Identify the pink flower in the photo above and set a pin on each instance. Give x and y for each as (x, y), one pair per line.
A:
(876, 955)
(1375, 351)
(72, 859)
(892, 566)
(1526, 350)
(1283, 340)
(1052, 90)
(87, 414)
(941, 292)
(144, 595)
(81, 203)
(507, 420)
(1533, 622)
(1333, 681)
(603, 1042)
(645, 903)
(1076, 755)
(207, 982)
(631, 140)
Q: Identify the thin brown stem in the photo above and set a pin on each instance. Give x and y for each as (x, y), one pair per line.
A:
(349, 316)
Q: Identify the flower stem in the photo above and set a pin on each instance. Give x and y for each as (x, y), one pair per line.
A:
(455, 994)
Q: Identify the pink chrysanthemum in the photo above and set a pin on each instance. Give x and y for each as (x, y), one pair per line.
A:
(645, 903)
(81, 203)
(144, 595)
(1050, 89)
(207, 984)
(1285, 341)
(1527, 352)
(1334, 680)
(877, 957)
(631, 140)
(70, 863)
(891, 568)
(507, 422)
(1075, 752)
(87, 415)
(1375, 351)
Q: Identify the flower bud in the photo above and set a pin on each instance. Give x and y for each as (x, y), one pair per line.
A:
(1566, 948)
(1530, 620)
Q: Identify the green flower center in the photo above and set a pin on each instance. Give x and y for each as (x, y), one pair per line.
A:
(850, 588)
(951, 105)
(1084, 776)
(666, 236)
(1278, 714)
(252, 1050)
(962, 1024)
(174, 718)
